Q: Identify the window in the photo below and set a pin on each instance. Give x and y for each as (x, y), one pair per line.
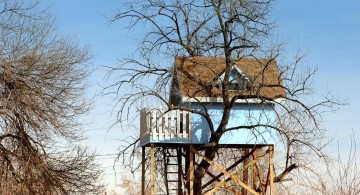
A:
(237, 81)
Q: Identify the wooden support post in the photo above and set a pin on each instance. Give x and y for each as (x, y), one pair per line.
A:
(271, 169)
(187, 169)
(254, 171)
(143, 161)
(228, 169)
(191, 172)
(179, 158)
(152, 169)
(218, 167)
(246, 171)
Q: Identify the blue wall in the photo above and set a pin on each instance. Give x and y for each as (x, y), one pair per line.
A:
(241, 114)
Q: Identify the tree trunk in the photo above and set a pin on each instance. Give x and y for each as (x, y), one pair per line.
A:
(201, 170)
(197, 182)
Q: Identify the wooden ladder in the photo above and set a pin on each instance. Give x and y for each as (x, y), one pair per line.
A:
(172, 171)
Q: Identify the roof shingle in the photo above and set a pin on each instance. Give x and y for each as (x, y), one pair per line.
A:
(197, 77)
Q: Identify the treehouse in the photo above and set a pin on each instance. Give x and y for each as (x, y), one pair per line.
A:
(199, 92)
(197, 85)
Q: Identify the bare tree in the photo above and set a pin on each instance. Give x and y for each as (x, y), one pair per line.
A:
(232, 30)
(42, 89)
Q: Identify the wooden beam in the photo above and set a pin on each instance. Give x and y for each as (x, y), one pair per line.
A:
(212, 163)
(251, 163)
(228, 169)
(187, 168)
(143, 161)
(261, 181)
(191, 161)
(245, 172)
(221, 184)
(152, 169)
(208, 173)
(179, 158)
(254, 171)
(271, 167)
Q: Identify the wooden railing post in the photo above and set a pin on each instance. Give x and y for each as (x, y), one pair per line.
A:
(153, 124)
(166, 125)
(160, 125)
(178, 133)
(184, 124)
(173, 125)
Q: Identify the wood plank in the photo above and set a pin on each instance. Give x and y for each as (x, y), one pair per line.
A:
(221, 184)
(160, 125)
(166, 126)
(218, 167)
(251, 163)
(172, 125)
(245, 172)
(254, 171)
(178, 124)
(152, 169)
(143, 161)
(271, 167)
(154, 124)
(191, 161)
(229, 168)
(179, 159)
(189, 126)
(144, 127)
(261, 180)
(254, 161)
(185, 122)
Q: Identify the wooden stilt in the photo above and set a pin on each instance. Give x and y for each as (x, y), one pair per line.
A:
(152, 169)
(254, 171)
(271, 169)
(191, 163)
(179, 171)
(228, 169)
(246, 171)
(143, 161)
(218, 167)
(187, 168)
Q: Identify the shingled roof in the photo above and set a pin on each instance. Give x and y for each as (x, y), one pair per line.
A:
(198, 77)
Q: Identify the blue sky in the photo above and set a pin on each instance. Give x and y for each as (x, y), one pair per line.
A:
(328, 31)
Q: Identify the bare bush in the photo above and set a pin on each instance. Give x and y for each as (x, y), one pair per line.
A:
(42, 90)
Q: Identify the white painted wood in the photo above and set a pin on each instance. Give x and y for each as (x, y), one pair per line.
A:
(153, 123)
(172, 125)
(185, 122)
(178, 124)
(189, 126)
(165, 126)
(160, 126)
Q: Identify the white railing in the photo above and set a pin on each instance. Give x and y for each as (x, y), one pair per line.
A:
(174, 125)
